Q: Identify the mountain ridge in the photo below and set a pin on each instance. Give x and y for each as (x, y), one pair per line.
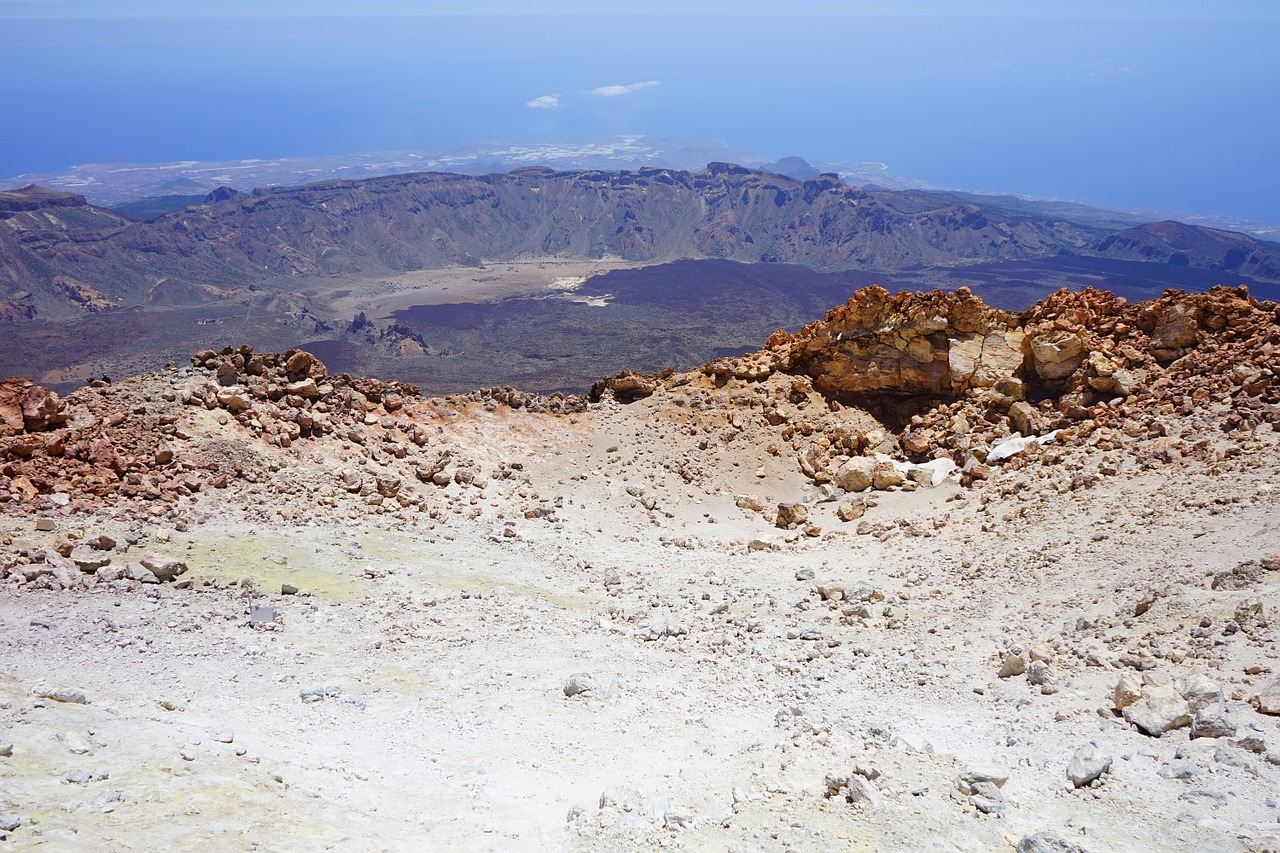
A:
(392, 224)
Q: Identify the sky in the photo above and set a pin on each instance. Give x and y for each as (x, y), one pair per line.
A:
(1130, 103)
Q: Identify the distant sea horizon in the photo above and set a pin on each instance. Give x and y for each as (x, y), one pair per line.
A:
(1151, 115)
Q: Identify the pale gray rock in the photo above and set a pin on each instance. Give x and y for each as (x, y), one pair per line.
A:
(1087, 764)
(1040, 673)
(863, 591)
(580, 683)
(912, 742)
(979, 773)
(140, 573)
(74, 742)
(70, 695)
(1212, 722)
(9, 822)
(1200, 691)
(1268, 701)
(987, 799)
(1161, 709)
(319, 693)
(863, 793)
(89, 559)
(1180, 769)
(633, 808)
(164, 567)
(1047, 842)
(1230, 756)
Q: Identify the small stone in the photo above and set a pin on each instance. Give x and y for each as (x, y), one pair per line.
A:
(1180, 769)
(579, 682)
(225, 737)
(1040, 673)
(1087, 764)
(164, 567)
(805, 575)
(791, 515)
(6, 750)
(138, 572)
(70, 695)
(863, 793)
(74, 742)
(319, 693)
(1013, 665)
(1041, 652)
(970, 777)
(831, 593)
(1128, 690)
(45, 524)
(9, 822)
(851, 510)
(1200, 691)
(1256, 745)
(911, 741)
(288, 589)
(1230, 757)
(1047, 842)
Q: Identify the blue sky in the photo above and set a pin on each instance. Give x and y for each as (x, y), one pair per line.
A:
(1164, 105)
(1023, 8)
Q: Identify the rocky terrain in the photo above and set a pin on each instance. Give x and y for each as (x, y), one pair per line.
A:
(53, 264)
(925, 575)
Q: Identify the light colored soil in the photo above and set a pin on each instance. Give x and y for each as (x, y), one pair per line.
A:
(380, 297)
(451, 644)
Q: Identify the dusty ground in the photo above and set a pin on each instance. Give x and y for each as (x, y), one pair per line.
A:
(723, 690)
(380, 297)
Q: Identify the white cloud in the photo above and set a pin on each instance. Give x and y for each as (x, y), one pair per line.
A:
(546, 102)
(615, 91)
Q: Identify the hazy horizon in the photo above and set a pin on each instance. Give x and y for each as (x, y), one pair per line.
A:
(1155, 110)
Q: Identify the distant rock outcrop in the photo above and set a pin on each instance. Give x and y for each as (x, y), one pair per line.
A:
(1190, 245)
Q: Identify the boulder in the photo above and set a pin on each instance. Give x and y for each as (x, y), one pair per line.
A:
(856, 475)
(1087, 764)
(791, 515)
(1128, 690)
(1056, 354)
(885, 475)
(1268, 699)
(88, 559)
(1013, 665)
(1160, 709)
(851, 510)
(164, 567)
